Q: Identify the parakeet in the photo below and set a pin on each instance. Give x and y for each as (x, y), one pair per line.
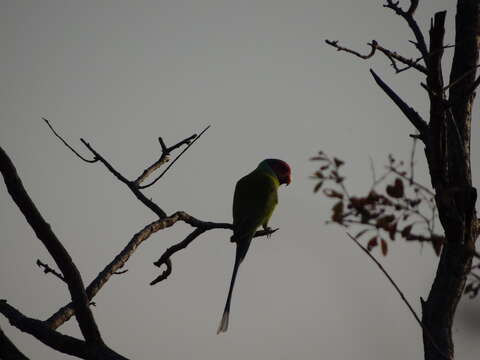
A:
(253, 203)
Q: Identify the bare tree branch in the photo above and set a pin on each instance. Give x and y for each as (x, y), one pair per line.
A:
(47, 269)
(67, 144)
(163, 158)
(410, 113)
(391, 55)
(63, 260)
(57, 341)
(334, 43)
(408, 16)
(8, 350)
(165, 258)
(130, 184)
(201, 227)
(67, 311)
(397, 288)
(174, 160)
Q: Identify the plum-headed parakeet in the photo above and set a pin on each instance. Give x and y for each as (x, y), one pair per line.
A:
(253, 204)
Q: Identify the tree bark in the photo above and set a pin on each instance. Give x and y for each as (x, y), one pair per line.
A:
(448, 154)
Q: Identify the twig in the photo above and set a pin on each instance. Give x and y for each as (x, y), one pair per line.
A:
(174, 160)
(48, 269)
(388, 277)
(163, 158)
(408, 16)
(334, 43)
(412, 161)
(402, 296)
(402, 175)
(394, 57)
(68, 145)
(391, 55)
(165, 258)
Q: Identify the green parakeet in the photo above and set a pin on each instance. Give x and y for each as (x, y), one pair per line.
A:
(253, 203)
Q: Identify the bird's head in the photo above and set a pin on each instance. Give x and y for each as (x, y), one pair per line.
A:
(280, 168)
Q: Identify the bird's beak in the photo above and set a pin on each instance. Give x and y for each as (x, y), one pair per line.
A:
(287, 181)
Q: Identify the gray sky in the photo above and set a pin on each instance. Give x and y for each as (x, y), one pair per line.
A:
(122, 73)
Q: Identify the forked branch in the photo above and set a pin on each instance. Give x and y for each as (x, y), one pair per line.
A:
(393, 56)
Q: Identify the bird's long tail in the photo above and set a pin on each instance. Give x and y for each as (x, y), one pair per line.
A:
(239, 256)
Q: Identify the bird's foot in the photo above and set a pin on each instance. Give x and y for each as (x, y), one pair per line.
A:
(269, 229)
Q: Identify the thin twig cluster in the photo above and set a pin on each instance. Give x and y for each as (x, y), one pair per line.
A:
(395, 206)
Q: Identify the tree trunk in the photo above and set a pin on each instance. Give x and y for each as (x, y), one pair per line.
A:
(448, 154)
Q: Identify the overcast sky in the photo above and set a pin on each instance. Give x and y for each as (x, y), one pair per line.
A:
(120, 74)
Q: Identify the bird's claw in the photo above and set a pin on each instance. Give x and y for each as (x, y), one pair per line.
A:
(270, 231)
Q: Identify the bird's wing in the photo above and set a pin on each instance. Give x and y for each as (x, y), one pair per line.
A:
(253, 203)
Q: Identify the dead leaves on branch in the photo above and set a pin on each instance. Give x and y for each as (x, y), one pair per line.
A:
(396, 206)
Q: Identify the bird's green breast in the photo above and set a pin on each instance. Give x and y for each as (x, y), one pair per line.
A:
(254, 200)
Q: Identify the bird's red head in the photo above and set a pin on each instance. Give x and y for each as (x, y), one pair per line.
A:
(281, 169)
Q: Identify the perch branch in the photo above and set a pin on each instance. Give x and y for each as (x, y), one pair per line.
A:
(44, 233)
(67, 311)
(201, 227)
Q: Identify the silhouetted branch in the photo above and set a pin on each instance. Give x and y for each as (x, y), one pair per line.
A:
(63, 260)
(163, 158)
(391, 55)
(68, 145)
(408, 16)
(402, 296)
(174, 160)
(131, 185)
(38, 329)
(409, 112)
(165, 258)
(134, 185)
(334, 43)
(47, 269)
(397, 288)
(201, 227)
(8, 350)
(67, 311)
